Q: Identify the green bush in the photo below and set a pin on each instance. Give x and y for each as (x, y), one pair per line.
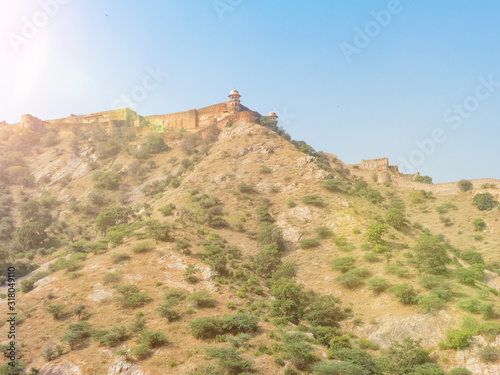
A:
(76, 333)
(339, 368)
(405, 293)
(112, 277)
(323, 232)
(395, 217)
(374, 233)
(343, 264)
(371, 257)
(267, 260)
(265, 170)
(110, 337)
(467, 276)
(350, 279)
(484, 201)
(430, 281)
(298, 351)
(479, 225)
(142, 247)
(27, 285)
(365, 344)
(56, 310)
(290, 300)
(334, 185)
(403, 358)
(153, 339)
(313, 200)
(239, 323)
(489, 329)
(201, 299)
(432, 254)
(324, 311)
(457, 339)
(308, 243)
(166, 312)
(107, 180)
(465, 185)
(290, 203)
(377, 284)
(354, 356)
(229, 361)
(167, 209)
(423, 179)
(489, 354)
(430, 303)
(131, 297)
(119, 258)
(472, 257)
(459, 371)
(397, 269)
(205, 328)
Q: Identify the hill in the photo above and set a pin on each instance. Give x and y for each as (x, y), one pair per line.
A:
(236, 250)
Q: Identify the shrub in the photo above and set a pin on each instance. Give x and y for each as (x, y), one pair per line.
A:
(395, 217)
(430, 303)
(355, 356)
(423, 179)
(308, 243)
(298, 351)
(131, 297)
(56, 310)
(371, 257)
(167, 209)
(374, 233)
(430, 281)
(313, 200)
(431, 254)
(290, 203)
(229, 360)
(265, 170)
(267, 260)
(470, 305)
(350, 280)
(111, 217)
(153, 339)
(110, 337)
(27, 285)
(271, 234)
(459, 371)
(402, 358)
(107, 180)
(142, 247)
(112, 277)
(339, 368)
(472, 257)
(489, 354)
(324, 311)
(484, 201)
(239, 323)
(467, 276)
(365, 344)
(51, 352)
(334, 185)
(205, 328)
(479, 225)
(456, 339)
(323, 232)
(118, 258)
(201, 299)
(405, 293)
(489, 329)
(290, 300)
(141, 351)
(76, 333)
(343, 264)
(397, 269)
(166, 312)
(465, 185)
(377, 284)
(190, 274)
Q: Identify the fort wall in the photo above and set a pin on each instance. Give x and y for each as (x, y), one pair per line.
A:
(447, 187)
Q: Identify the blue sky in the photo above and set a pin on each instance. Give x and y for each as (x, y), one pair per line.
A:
(420, 68)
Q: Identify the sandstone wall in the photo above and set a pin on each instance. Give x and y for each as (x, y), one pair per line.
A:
(448, 187)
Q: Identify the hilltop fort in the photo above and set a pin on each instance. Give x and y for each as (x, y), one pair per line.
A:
(201, 121)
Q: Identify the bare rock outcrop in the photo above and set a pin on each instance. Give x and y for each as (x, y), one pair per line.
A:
(62, 368)
(431, 328)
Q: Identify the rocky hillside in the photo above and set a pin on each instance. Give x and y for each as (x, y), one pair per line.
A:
(242, 252)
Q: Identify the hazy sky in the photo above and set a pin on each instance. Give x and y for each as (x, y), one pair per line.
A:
(359, 79)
